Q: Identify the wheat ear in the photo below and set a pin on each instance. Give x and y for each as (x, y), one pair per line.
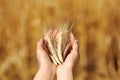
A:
(53, 52)
(54, 61)
(59, 45)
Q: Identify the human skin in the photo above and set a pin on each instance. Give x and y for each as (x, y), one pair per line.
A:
(48, 69)
(65, 70)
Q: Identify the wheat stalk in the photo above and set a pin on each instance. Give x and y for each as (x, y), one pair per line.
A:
(59, 50)
(59, 45)
(52, 50)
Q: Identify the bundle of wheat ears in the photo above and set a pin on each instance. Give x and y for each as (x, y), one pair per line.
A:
(60, 44)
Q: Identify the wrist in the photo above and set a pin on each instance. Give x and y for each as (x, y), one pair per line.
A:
(44, 74)
(64, 74)
(47, 71)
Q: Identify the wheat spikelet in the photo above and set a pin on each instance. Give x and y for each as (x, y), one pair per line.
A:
(58, 45)
(52, 50)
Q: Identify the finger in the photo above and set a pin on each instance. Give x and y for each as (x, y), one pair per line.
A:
(67, 51)
(45, 47)
(45, 40)
(75, 46)
(54, 33)
(72, 38)
(46, 43)
(40, 44)
(41, 53)
(73, 54)
(49, 33)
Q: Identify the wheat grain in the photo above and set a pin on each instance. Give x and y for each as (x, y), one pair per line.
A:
(59, 45)
(52, 50)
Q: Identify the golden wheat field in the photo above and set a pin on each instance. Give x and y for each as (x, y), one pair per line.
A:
(97, 26)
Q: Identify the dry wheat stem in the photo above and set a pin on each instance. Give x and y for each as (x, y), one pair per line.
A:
(52, 50)
(59, 45)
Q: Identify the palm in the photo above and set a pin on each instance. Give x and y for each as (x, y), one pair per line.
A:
(43, 57)
(73, 57)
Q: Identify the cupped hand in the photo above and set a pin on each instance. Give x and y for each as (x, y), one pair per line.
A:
(47, 68)
(42, 56)
(65, 70)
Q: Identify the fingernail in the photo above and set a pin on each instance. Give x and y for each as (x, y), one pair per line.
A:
(76, 41)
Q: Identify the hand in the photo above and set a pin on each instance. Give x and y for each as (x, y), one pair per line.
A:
(47, 69)
(65, 70)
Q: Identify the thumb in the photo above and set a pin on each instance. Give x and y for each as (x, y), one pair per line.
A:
(40, 45)
(75, 45)
(73, 54)
(40, 49)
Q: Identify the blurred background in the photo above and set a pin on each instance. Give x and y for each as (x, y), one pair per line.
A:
(97, 28)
